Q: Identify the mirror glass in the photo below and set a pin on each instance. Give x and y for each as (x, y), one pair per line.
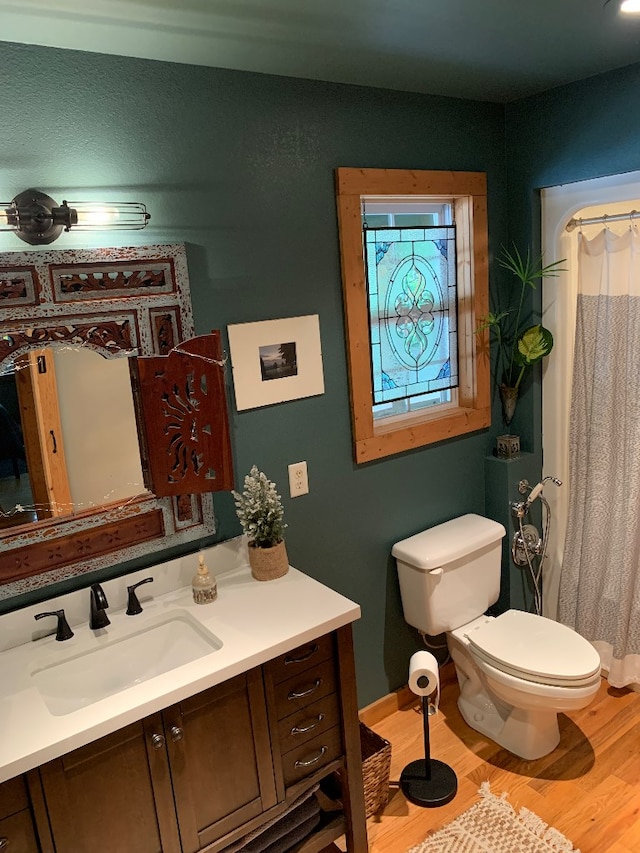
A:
(68, 434)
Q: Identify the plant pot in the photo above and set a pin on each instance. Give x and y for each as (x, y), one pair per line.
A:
(267, 564)
(509, 398)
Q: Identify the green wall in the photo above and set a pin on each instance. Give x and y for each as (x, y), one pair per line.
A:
(240, 167)
(572, 133)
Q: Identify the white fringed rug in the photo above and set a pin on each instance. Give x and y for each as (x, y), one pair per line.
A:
(493, 826)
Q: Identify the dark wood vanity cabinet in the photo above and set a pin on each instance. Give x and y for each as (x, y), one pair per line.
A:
(171, 783)
(203, 773)
(17, 834)
(313, 718)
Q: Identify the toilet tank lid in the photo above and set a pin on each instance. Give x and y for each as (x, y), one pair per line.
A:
(447, 542)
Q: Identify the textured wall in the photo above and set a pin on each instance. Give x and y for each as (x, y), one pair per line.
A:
(576, 132)
(240, 167)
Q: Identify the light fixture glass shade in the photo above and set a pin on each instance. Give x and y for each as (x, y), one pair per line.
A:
(108, 216)
(630, 7)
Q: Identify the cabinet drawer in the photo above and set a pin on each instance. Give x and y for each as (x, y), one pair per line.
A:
(300, 659)
(311, 756)
(16, 833)
(13, 797)
(304, 688)
(303, 725)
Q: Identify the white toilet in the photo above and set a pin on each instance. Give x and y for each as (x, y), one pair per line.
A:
(516, 671)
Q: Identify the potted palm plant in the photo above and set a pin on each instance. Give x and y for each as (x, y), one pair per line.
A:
(518, 347)
(261, 514)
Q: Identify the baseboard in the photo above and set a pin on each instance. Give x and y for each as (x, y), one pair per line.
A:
(387, 705)
(399, 699)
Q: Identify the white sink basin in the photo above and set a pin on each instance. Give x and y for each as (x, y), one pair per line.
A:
(122, 662)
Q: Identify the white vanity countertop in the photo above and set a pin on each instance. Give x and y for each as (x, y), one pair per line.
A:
(255, 622)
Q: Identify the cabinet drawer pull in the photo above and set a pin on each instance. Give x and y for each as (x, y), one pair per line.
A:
(157, 741)
(313, 760)
(314, 648)
(300, 694)
(301, 730)
(4, 843)
(176, 733)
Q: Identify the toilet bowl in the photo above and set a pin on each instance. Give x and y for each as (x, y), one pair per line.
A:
(517, 704)
(516, 671)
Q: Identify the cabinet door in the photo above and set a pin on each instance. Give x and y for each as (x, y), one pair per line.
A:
(16, 825)
(17, 835)
(113, 794)
(220, 759)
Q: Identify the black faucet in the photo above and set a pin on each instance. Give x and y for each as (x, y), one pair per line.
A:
(99, 604)
(63, 631)
(133, 605)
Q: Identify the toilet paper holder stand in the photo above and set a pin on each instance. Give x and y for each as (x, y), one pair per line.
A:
(427, 781)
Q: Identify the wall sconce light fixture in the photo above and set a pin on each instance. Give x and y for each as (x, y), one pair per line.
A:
(37, 219)
(628, 7)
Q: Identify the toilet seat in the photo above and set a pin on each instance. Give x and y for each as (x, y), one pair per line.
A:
(534, 648)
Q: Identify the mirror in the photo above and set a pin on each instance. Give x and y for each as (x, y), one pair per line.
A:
(70, 435)
(70, 324)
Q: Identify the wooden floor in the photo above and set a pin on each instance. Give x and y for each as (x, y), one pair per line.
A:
(588, 788)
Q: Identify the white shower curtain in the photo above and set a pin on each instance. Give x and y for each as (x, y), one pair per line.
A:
(600, 581)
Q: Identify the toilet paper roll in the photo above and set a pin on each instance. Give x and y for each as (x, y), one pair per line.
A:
(424, 678)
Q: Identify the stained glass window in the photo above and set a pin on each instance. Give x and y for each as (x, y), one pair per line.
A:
(411, 282)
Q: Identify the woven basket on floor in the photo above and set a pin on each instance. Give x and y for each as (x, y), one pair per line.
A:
(376, 766)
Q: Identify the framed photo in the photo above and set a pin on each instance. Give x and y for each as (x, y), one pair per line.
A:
(276, 360)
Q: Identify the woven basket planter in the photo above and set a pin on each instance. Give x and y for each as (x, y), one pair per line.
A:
(267, 564)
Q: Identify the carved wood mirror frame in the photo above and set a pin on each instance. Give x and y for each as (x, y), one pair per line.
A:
(133, 301)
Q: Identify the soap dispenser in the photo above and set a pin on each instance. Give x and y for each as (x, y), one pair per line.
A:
(204, 584)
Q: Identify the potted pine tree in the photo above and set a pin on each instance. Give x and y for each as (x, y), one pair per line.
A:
(261, 514)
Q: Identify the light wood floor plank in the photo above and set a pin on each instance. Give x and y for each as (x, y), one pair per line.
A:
(604, 814)
(628, 841)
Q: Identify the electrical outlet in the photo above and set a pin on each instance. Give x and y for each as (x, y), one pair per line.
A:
(298, 480)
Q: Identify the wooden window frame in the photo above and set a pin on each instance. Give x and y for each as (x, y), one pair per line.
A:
(375, 440)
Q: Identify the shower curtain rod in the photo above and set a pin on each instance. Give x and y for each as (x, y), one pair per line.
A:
(572, 224)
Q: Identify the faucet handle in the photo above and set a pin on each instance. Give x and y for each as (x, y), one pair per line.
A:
(63, 631)
(133, 605)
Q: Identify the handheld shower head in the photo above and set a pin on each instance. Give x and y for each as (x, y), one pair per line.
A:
(537, 490)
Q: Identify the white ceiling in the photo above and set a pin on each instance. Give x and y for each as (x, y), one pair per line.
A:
(496, 50)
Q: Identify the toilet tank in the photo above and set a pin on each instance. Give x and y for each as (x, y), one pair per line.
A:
(449, 574)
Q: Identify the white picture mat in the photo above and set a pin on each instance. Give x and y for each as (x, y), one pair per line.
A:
(245, 341)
